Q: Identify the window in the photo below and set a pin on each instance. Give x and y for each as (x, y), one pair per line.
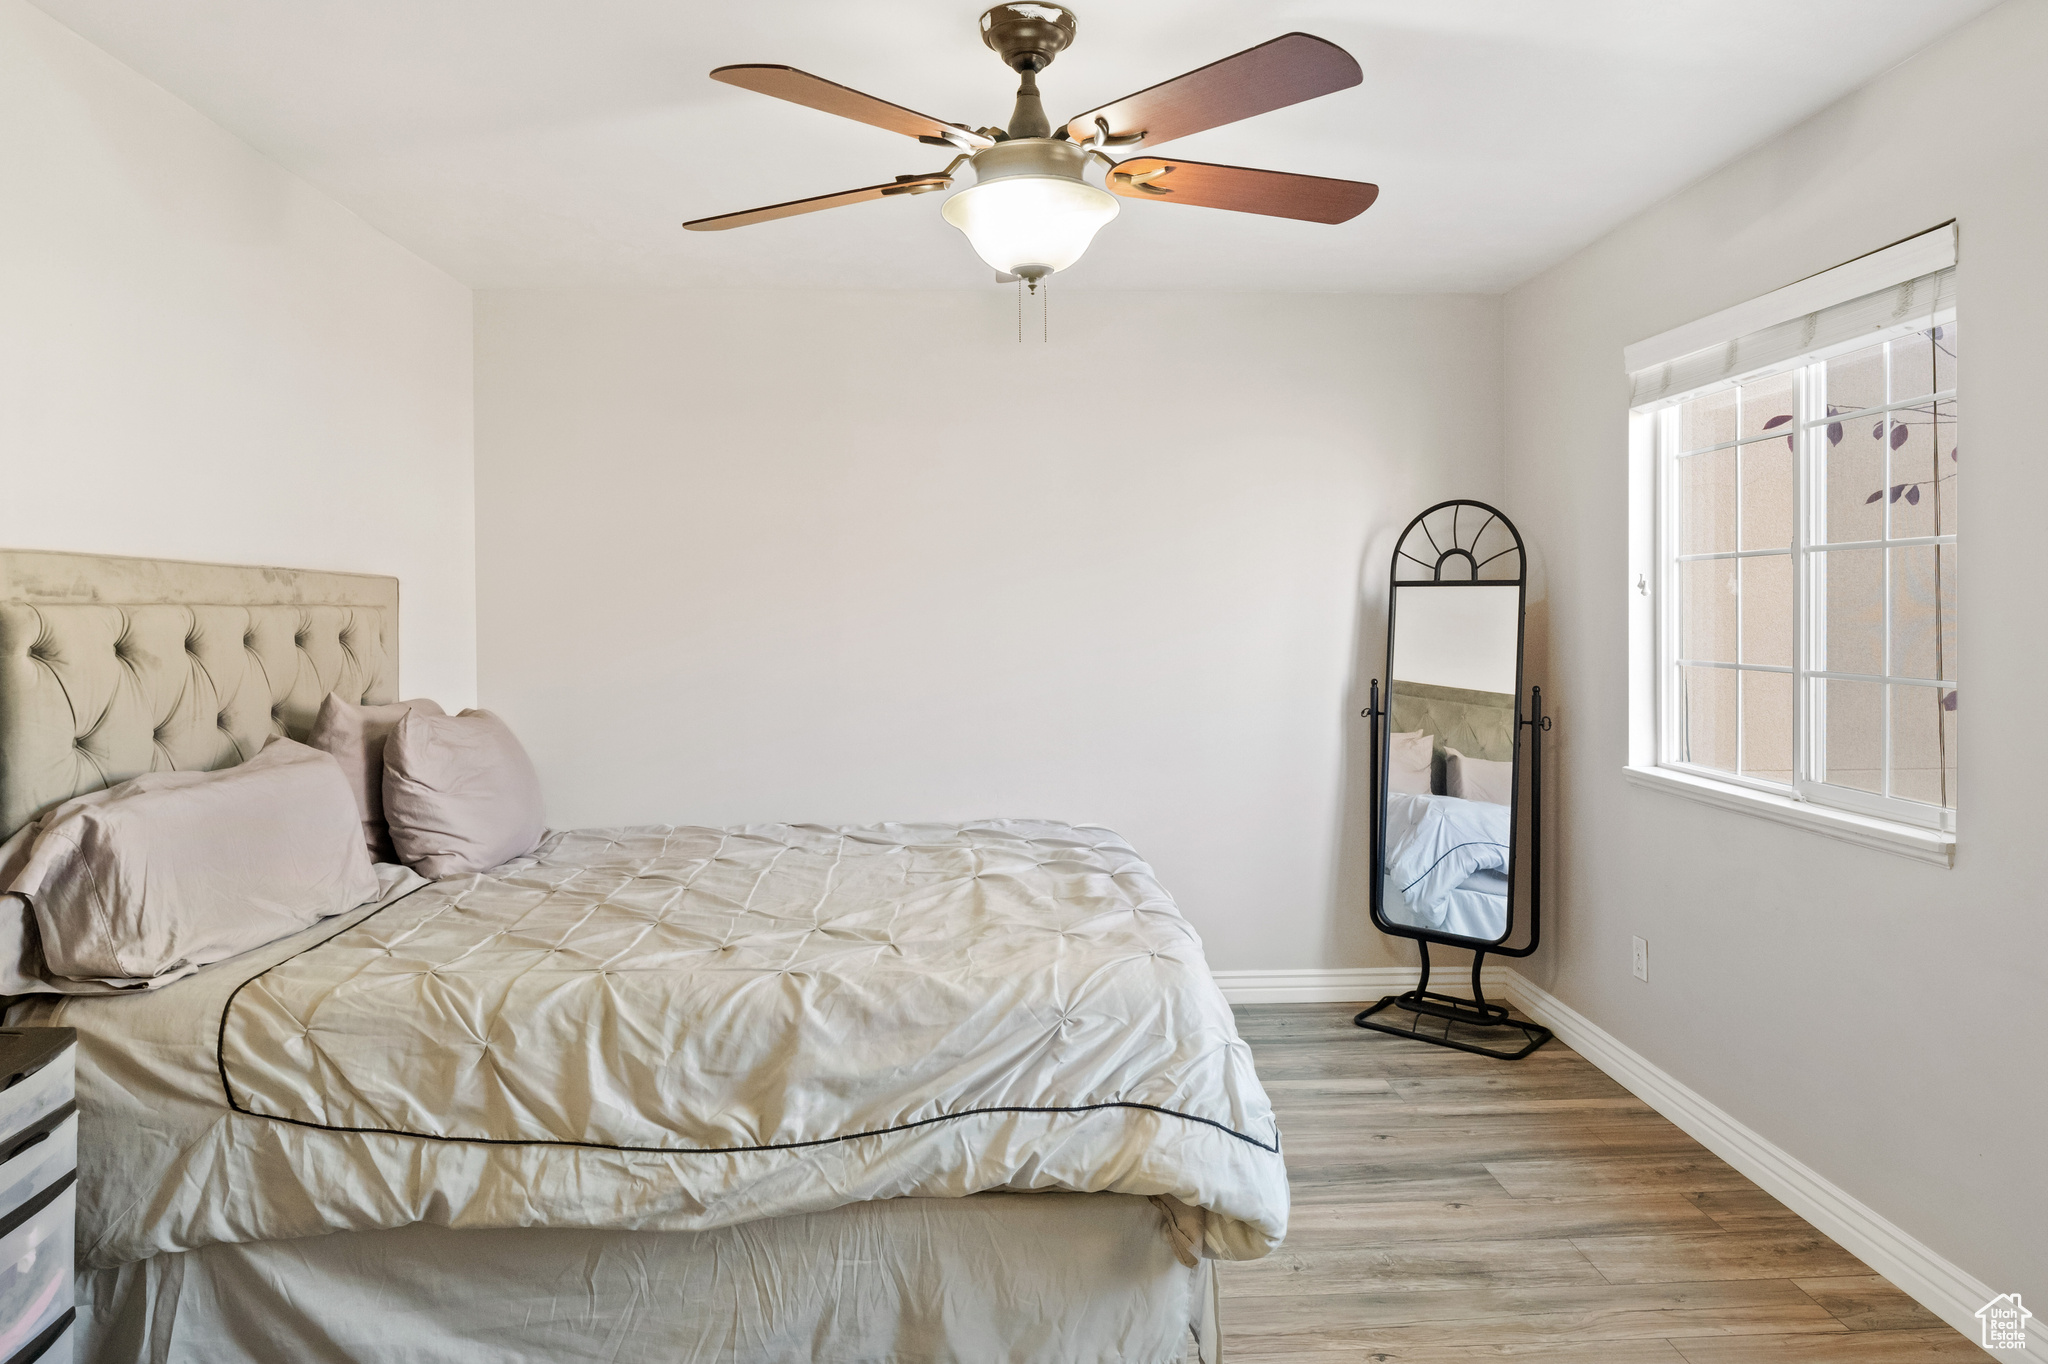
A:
(1801, 606)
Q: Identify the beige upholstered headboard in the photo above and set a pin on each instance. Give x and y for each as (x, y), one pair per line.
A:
(110, 668)
(1479, 724)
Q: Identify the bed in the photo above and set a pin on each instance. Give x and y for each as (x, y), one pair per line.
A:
(901, 1092)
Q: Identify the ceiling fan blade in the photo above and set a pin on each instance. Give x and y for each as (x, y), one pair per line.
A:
(815, 92)
(909, 184)
(1288, 70)
(1277, 194)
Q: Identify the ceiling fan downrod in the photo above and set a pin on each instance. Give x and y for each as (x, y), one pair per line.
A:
(1027, 37)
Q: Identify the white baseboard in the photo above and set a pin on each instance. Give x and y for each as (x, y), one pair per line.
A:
(1339, 985)
(1343, 985)
(1936, 1283)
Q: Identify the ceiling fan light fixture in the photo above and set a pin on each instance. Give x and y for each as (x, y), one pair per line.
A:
(1030, 211)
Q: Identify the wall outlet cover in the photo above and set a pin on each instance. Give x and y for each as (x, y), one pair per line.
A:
(1641, 958)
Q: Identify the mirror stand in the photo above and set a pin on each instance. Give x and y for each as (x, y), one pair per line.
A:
(1476, 1012)
(1447, 771)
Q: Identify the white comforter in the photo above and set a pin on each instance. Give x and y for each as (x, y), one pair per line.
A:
(684, 1029)
(1433, 843)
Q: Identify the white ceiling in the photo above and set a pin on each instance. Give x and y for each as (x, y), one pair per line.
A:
(554, 143)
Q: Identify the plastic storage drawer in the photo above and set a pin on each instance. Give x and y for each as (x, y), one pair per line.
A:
(32, 1161)
(38, 1193)
(35, 1264)
(42, 1090)
(53, 1346)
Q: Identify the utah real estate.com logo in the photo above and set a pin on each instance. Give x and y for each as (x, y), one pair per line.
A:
(2005, 1322)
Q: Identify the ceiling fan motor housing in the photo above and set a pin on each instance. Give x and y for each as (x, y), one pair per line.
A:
(1028, 36)
(1044, 157)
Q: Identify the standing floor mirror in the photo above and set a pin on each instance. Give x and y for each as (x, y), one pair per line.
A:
(1448, 845)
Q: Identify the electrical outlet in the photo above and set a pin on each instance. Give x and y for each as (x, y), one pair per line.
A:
(1641, 958)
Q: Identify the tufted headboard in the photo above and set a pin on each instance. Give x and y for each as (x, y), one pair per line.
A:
(110, 668)
(1479, 724)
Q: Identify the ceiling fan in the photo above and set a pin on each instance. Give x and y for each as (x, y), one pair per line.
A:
(1031, 209)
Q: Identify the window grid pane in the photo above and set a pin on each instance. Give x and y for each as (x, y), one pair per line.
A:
(1767, 726)
(1923, 735)
(1852, 735)
(1708, 716)
(1741, 422)
(1765, 596)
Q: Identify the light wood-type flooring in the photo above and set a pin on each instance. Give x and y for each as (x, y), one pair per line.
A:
(1449, 1209)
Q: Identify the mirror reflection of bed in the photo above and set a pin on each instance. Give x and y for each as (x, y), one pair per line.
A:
(1451, 757)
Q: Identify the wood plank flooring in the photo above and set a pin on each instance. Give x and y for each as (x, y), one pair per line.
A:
(1450, 1209)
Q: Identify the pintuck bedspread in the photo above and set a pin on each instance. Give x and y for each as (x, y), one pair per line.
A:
(683, 1029)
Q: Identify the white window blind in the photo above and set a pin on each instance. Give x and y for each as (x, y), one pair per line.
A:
(1860, 299)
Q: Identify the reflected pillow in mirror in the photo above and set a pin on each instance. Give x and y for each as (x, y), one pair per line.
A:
(1408, 762)
(1477, 779)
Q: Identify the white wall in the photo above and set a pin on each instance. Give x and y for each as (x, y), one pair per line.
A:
(203, 358)
(1883, 1020)
(845, 556)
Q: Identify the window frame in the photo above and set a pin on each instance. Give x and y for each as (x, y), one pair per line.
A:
(1894, 823)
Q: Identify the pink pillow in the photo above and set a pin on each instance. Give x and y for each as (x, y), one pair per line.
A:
(1478, 779)
(1409, 758)
(356, 735)
(460, 794)
(151, 879)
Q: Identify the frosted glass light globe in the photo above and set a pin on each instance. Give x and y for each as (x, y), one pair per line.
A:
(1030, 225)
(1030, 212)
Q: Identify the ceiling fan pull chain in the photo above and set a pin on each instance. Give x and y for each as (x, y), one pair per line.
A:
(1020, 312)
(1045, 315)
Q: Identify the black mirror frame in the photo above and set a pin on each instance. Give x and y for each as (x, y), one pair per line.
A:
(1422, 1002)
(1426, 555)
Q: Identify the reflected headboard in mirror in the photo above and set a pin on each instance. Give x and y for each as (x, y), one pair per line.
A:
(112, 667)
(1479, 724)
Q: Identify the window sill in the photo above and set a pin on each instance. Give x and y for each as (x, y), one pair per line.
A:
(1906, 840)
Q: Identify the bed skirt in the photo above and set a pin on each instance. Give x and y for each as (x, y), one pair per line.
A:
(1021, 1278)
